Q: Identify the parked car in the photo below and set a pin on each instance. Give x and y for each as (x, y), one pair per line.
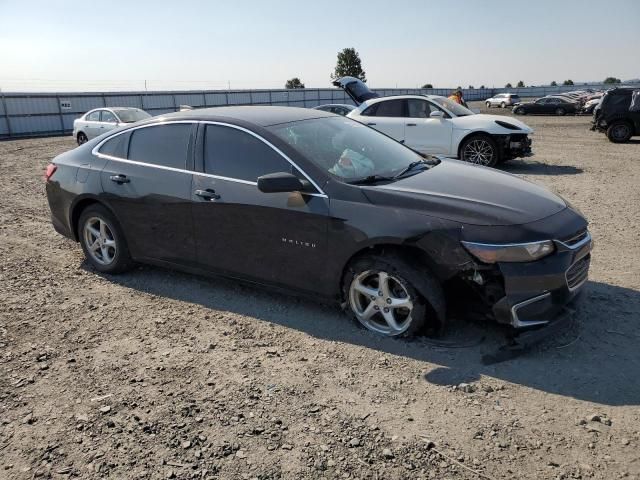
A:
(431, 124)
(503, 100)
(322, 205)
(547, 106)
(337, 108)
(618, 114)
(100, 120)
(590, 105)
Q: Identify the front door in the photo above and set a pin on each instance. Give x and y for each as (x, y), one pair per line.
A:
(150, 191)
(426, 134)
(387, 116)
(278, 238)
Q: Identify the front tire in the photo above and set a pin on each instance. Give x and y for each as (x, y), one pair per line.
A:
(519, 111)
(103, 241)
(502, 105)
(488, 104)
(387, 296)
(81, 138)
(480, 150)
(619, 132)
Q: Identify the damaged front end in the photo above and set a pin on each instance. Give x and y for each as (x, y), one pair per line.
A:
(512, 146)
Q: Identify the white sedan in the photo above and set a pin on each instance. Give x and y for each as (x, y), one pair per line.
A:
(431, 124)
(100, 120)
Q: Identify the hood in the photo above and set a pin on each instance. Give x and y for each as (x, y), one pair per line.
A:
(356, 89)
(488, 122)
(469, 194)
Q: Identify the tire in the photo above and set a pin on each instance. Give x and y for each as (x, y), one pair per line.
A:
(480, 150)
(619, 131)
(560, 112)
(502, 105)
(488, 104)
(519, 111)
(419, 297)
(82, 138)
(98, 227)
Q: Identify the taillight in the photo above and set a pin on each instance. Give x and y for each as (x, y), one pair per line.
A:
(51, 169)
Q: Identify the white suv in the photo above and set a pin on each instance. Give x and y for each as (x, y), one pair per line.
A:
(435, 125)
(502, 100)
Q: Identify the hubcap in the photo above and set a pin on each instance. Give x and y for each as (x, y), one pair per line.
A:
(381, 303)
(479, 152)
(99, 240)
(620, 131)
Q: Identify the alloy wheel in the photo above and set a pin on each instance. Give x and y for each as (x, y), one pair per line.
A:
(381, 302)
(478, 151)
(99, 240)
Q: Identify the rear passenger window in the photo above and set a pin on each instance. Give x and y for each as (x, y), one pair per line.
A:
(94, 116)
(390, 108)
(164, 145)
(232, 153)
(116, 146)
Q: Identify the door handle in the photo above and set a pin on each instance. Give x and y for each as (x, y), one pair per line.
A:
(411, 124)
(208, 194)
(370, 123)
(119, 179)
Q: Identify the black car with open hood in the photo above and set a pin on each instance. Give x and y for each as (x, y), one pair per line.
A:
(325, 206)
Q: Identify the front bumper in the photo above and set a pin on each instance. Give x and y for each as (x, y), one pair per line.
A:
(516, 146)
(537, 292)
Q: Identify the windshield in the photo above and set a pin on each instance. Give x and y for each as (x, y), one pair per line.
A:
(133, 115)
(346, 149)
(455, 108)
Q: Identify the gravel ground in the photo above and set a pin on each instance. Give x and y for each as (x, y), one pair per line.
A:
(157, 374)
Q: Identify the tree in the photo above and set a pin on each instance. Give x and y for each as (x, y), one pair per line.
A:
(349, 65)
(293, 83)
(471, 87)
(520, 84)
(568, 82)
(427, 85)
(554, 84)
(482, 87)
(610, 80)
(508, 85)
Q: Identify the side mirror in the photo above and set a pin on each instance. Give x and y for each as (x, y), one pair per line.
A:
(437, 114)
(280, 182)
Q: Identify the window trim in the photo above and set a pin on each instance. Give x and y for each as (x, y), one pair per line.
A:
(95, 151)
(102, 110)
(95, 110)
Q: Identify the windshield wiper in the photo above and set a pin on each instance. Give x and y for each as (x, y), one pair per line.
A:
(409, 167)
(371, 179)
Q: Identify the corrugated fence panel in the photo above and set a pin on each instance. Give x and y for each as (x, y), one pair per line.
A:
(31, 105)
(68, 119)
(261, 97)
(123, 101)
(81, 105)
(239, 98)
(35, 124)
(215, 99)
(157, 101)
(193, 99)
(4, 130)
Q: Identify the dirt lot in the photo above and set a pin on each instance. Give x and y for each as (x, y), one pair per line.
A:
(156, 374)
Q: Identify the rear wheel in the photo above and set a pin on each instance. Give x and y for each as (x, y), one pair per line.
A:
(502, 105)
(619, 132)
(102, 240)
(382, 296)
(488, 104)
(82, 138)
(560, 111)
(479, 150)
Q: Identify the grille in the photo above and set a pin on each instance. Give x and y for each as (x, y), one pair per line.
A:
(578, 272)
(575, 238)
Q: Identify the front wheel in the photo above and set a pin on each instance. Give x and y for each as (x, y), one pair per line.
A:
(488, 104)
(383, 297)
(519, 111)
(619, 132)
(502, 105)
(82, 138)
(103, 241)
(479, 150)
(560, 111)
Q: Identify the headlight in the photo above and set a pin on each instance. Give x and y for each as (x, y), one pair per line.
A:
(513, 252)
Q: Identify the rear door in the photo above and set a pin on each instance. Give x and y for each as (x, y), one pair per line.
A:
(426, 134)
(387, 116)
(147, 183)
(92, 124)
(279, 238)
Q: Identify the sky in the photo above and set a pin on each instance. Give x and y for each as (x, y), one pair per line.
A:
(59, 45)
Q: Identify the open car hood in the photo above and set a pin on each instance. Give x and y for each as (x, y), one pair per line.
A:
(356, 89)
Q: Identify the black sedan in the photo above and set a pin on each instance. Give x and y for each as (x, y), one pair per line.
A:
(548, 106)
(325, 206)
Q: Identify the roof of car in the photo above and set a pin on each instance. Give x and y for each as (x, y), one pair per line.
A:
(257, 114)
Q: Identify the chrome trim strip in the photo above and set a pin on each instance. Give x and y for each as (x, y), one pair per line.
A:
(587, 239)
(503, 245)
(515, 320)
(95, 151)
(573, 289)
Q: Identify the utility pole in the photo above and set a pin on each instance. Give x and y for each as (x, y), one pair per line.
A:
(145, 85)
(229, 84)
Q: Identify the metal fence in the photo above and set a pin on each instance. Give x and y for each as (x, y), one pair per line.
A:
(44, 114)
